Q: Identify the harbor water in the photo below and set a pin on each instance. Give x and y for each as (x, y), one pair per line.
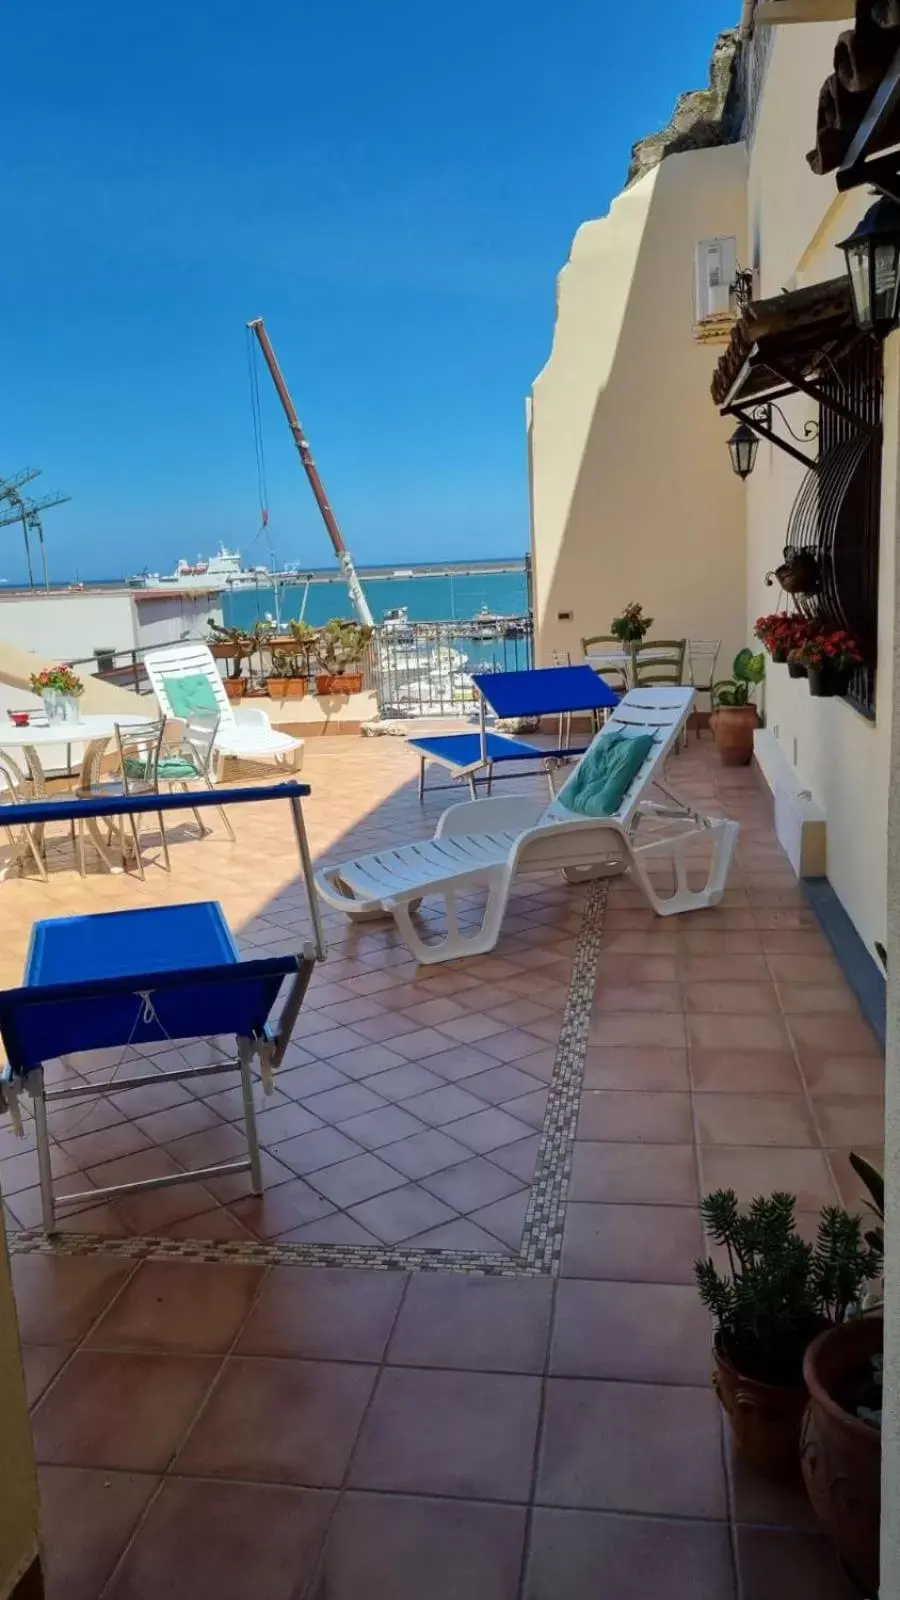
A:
(430, 599)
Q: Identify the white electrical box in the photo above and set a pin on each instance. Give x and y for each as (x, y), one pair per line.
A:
(715, 269)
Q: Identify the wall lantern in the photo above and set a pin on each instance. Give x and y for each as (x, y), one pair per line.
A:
(742, 447)
(873, 263)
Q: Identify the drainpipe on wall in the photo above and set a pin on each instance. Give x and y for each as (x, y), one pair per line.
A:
(745, 27)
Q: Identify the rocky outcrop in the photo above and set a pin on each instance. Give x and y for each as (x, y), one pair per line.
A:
(702, 117)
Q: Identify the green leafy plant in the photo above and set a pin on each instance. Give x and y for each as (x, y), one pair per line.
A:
(632, 625)
(340, 645)
(748, 670)
(874, 1182)
(779, 1291)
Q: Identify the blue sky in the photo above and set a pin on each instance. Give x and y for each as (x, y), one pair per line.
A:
(393, 187)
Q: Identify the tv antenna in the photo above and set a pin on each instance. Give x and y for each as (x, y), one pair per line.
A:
(16, 507)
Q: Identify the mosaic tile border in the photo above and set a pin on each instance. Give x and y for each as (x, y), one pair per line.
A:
(540, 1249)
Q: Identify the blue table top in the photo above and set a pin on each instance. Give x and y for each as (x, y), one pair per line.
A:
(465, 748)
(545, 691)
(112, 944)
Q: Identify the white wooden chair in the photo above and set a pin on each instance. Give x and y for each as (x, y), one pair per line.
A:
(486, 844)
(243, 732)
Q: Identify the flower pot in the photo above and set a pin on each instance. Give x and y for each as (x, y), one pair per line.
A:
(286, 688)
(765, 1420)
(827, 681)
(235, 688)
(840, 1455)
(221, 652)
(796, 669)
(732, 728)
(338, 683)
(779, 657)
(60, 707)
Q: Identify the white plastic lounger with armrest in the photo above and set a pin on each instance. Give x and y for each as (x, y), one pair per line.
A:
(244, 732)
(486, 844)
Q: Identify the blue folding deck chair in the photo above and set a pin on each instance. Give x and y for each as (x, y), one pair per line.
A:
(150, 976)
(538, 692)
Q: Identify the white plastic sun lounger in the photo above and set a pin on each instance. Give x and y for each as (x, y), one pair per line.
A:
(244, 732)
(486, 844)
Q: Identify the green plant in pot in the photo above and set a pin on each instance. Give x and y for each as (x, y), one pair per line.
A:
(734, 717)
(340, 646)
(285, 681)
(234, 645)
(840, 1442)
(775, 1297)
(830, 659)
(632, 625)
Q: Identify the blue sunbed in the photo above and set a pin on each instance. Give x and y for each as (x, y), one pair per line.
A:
(542, 691)
(154, 975)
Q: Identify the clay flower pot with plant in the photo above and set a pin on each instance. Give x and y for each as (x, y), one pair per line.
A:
(734, 717)
(235, 646)
(779, 634)
(777, 1294)
(339, 647)
(632, 626)
(840, 1442)
(285, 681)
(830, 659)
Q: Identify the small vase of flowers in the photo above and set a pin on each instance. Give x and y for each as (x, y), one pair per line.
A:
(632, 625)
(60, 689)
(829, 659)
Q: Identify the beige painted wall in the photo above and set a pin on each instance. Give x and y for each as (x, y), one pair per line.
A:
(794, 221)
(632, 493)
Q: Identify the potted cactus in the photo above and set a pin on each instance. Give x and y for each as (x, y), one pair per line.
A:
(734, 716)
(777, 1294)
(339, 647)
(234, 645)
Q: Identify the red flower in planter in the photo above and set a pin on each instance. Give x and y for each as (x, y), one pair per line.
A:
(837, 649)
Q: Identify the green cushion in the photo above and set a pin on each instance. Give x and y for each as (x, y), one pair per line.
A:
(191, 693)
(171, 767)
(606, 773)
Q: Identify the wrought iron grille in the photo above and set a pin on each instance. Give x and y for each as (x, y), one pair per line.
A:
(837, 513)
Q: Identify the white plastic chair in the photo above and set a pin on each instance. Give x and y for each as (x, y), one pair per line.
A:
(486, 844)
(244, 732)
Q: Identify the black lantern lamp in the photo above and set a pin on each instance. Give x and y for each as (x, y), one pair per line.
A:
(742, 447)
(873, 263)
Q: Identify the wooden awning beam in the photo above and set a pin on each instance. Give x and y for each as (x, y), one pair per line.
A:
(855, 169)
(765, 432)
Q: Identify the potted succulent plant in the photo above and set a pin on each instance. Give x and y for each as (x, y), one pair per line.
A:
(778, 1294)
(734, 715)
(234, 645)
(830, 659)
(339, 646)
(285, 681)
(840, 1442)
(632, 625)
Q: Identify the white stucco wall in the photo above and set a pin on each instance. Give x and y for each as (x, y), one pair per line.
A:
(632, 493)
(794, 221)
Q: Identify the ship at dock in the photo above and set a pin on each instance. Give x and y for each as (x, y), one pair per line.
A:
(224, 570)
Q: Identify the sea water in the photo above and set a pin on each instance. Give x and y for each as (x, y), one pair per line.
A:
(430, 599)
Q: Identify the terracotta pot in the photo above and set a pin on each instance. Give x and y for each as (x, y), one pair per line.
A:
(339, 683)
(827, 682)
(841, 1455)
(732, 728)
(286, 688)
(221, 652)
(765, 1420)
(796, 669)
(235, 688)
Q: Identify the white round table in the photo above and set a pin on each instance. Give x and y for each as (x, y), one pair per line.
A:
(91, 731)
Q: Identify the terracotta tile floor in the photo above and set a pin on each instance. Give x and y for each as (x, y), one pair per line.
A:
(295, 1430)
